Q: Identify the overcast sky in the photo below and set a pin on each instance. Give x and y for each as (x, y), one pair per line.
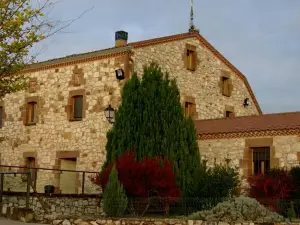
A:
(261, 38)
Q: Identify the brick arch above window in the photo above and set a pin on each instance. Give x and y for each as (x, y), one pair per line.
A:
(76, 101)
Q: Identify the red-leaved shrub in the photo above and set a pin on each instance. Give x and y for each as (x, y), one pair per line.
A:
(269, 189)
(140, 178)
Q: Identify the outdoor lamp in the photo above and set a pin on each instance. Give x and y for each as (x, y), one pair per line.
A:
(110, 114)
(246, 102)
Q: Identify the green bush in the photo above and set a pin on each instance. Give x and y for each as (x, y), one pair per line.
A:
(217, 183)
(241, 209)
(114, 198)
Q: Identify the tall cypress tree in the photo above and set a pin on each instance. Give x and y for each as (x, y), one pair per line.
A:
(151, 121)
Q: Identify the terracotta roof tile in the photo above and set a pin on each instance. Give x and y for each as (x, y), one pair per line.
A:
(278, 121)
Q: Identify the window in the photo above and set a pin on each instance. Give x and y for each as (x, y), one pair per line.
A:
(31, 113)
(77, 107)
(226, 84)
(190, 57)
(261, 160)
(229, 111)
(189, 109)
(229, 114)
(225, 90)
(1, 116)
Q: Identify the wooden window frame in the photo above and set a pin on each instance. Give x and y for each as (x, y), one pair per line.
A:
(229, 112)
(226, 84)
(189, 106)
(71, 105)
(190, 57)
(73, 112)
(31, 113)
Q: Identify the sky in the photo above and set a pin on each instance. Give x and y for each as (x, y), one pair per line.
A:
(261, 38)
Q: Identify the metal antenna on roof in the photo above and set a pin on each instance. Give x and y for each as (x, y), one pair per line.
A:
(192, 26)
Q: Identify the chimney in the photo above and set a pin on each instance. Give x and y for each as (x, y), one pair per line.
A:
(121, 38)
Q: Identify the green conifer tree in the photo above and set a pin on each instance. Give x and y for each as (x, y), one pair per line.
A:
(151, 121)
(114, 197)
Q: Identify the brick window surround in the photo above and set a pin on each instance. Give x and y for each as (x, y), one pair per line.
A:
(246, 163)
(77, 78)
(33, 85)
(190, 57)
(2, 114)
(76, 98)
(226, 86)
(229, 111)
(189, 106)
(30, 111)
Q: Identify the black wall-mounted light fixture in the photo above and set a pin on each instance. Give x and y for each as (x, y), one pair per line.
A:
(110, 114)
(120, 75)
(246, 102)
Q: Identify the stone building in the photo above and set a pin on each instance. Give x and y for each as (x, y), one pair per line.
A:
(253, 143)
(59, 121)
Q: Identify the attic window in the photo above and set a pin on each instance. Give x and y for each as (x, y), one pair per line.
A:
(190, 57)
(226, 84)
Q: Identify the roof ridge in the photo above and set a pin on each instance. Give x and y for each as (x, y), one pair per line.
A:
(249, 116)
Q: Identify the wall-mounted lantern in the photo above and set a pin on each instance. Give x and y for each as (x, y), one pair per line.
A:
(110, 114)
(246, 102)
(120, 75)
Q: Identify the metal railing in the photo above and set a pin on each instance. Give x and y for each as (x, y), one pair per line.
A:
(40, 177)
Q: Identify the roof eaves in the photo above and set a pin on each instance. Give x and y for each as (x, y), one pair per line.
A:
(77, 58)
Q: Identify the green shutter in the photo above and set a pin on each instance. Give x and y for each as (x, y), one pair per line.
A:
(78, 108)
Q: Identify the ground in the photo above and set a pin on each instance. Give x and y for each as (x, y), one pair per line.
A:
(11, 222)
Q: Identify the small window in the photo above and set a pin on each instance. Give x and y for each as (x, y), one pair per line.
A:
(261, 160)
(31, 113)
(189, 109)
(229, 114)
(77, 107)
(191, 59)
(1, 116)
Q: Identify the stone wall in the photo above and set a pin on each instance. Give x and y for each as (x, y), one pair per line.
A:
(45, 208)
(55, 137)
(144, 221)
(203, 83)
(285, 150)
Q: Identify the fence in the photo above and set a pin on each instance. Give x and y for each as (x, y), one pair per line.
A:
(49, 180)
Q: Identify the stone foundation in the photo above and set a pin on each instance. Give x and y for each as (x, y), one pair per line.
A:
(143, 221)
(46, 207)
